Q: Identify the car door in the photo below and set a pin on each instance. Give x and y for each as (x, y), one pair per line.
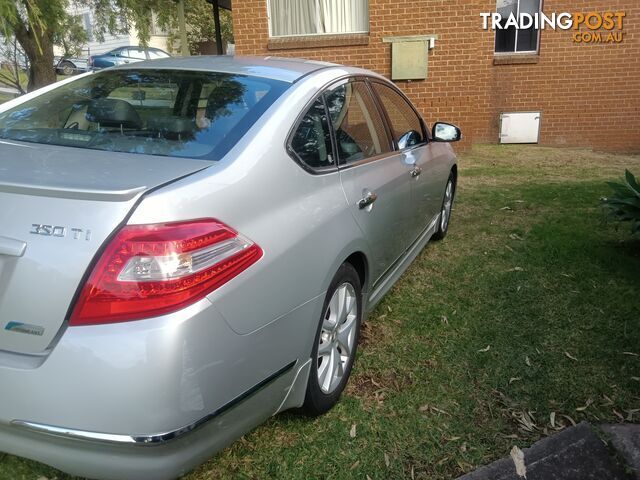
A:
(411, 141)
(375, 180)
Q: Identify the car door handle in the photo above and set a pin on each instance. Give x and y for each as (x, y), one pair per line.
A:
(367, 200)
(415, 172)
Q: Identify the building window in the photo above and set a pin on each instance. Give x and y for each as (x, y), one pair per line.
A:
(317, 17)
(512, 40)
(88, 26)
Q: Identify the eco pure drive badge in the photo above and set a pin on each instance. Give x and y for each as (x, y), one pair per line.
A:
(27, 328)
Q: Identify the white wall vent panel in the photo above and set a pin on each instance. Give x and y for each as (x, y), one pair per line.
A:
(520, 127)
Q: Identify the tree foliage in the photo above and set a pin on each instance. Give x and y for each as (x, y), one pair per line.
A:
(199, 19)
(71, 37)
(624, 204)
(14, 62)
(39, 24)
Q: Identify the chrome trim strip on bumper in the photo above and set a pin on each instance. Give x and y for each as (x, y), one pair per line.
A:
(150, 439)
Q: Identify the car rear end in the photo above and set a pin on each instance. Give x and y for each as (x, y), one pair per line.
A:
(110, 348)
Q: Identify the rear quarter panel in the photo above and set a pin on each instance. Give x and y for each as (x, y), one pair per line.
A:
(300, 220)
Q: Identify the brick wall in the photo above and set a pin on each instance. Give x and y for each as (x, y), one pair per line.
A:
(589, 94)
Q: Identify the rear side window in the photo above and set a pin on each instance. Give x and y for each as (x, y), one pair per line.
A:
(311, 141)
(158, 112)
(359, 128)
(137, 53)
(405, 123)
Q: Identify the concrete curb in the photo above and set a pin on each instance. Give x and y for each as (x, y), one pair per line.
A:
(574, 453)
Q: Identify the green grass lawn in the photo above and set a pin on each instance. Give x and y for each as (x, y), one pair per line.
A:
(522, 322)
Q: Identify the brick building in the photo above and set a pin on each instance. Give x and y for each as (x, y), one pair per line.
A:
(588, 93)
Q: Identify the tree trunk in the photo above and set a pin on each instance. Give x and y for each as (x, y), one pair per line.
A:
(41, 69)
(40, 54)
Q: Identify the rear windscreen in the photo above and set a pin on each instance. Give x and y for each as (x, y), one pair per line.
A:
(157, 112)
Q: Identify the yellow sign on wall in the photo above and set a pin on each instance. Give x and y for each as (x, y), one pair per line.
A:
(409, 60)
(410, 55)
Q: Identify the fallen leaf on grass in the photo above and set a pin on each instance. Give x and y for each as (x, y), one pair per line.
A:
(452, 439)
(483, 350)
(515, 236)
(352, 432)
(582, 409)
(631, 353)
(506, 208)
(514, 379)
(635, 379)
(552, 419)
(386, 459)
(570, 419)
(516, 269)
(525, 419)
(631, 413)
(608, 401)
(445, 320)
(355, 465)
(517, 456)
(568, 355)
(618, 414)
(527, 361)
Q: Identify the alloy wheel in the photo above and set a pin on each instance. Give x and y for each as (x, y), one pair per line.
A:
(337, 337)
(446, 206)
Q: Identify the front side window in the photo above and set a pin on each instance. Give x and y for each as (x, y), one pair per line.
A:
(512, 40)
(359, 129)
(316, 17)
(158, 112)
(405, 123)
(311, 141)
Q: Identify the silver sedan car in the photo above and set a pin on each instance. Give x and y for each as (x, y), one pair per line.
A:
(189, 246)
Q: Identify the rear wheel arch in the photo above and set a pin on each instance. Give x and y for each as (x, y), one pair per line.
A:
(359, 261)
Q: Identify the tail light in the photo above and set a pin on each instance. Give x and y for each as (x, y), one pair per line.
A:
(151, 270)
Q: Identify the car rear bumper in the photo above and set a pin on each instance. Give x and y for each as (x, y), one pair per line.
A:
(114, 459)
(149, 399)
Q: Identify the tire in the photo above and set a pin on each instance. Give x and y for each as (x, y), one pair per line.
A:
(447, 208)
(338, 331)
(67, 68)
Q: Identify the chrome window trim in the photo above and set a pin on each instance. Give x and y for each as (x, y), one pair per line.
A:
(336, 167)
(146, 439)
(423, 124)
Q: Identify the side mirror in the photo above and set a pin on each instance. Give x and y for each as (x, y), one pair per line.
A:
(445, 132)
(409, 139)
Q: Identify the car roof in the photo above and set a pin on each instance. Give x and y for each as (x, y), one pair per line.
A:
(275, 68)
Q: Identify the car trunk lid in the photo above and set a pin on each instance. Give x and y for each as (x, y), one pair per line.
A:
(59, 205)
